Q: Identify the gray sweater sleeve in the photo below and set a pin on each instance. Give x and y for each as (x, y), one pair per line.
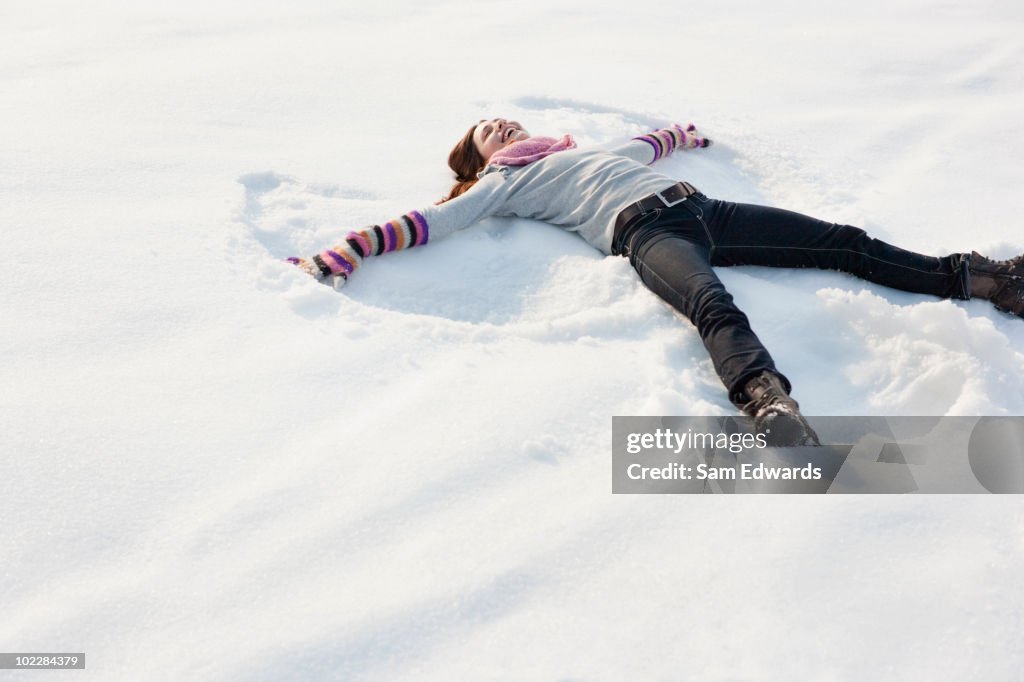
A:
(483, 199)
(635, 149)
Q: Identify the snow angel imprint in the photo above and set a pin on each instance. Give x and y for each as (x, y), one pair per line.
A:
(674, 236)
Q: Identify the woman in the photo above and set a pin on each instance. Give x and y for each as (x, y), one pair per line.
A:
(673, 235)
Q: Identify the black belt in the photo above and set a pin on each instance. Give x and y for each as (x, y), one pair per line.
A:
(666, 198)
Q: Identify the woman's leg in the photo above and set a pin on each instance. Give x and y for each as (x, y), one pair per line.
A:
(746, 234)
(678, 270)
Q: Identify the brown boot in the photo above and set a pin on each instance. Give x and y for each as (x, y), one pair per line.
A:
(999, 281)
(776, 414)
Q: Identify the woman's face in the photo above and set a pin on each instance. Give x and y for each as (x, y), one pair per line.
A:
(492, 135)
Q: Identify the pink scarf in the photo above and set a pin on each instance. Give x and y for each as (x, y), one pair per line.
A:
(529, 150)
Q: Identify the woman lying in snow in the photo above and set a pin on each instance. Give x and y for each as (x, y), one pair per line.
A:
(673, 235)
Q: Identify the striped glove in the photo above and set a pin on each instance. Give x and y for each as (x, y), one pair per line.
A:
(342, 260)
(667, 140)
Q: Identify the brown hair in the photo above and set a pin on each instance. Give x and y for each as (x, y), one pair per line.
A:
(466, 161)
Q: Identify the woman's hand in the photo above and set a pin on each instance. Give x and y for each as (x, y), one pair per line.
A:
(692, 137)
(311, 269)
(306, 266)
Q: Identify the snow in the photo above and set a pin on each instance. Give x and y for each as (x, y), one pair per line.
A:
(215, 468)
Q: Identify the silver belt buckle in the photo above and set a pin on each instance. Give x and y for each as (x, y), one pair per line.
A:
(668, 204)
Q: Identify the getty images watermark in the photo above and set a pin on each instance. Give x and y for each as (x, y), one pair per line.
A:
(858, 455)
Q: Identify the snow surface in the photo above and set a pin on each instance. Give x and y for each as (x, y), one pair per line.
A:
(215, 468)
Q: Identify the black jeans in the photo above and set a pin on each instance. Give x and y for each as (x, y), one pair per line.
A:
(674, 248)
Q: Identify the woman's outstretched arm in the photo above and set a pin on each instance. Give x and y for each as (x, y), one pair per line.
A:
(414, 228)
(660, 143)
(341, 260)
